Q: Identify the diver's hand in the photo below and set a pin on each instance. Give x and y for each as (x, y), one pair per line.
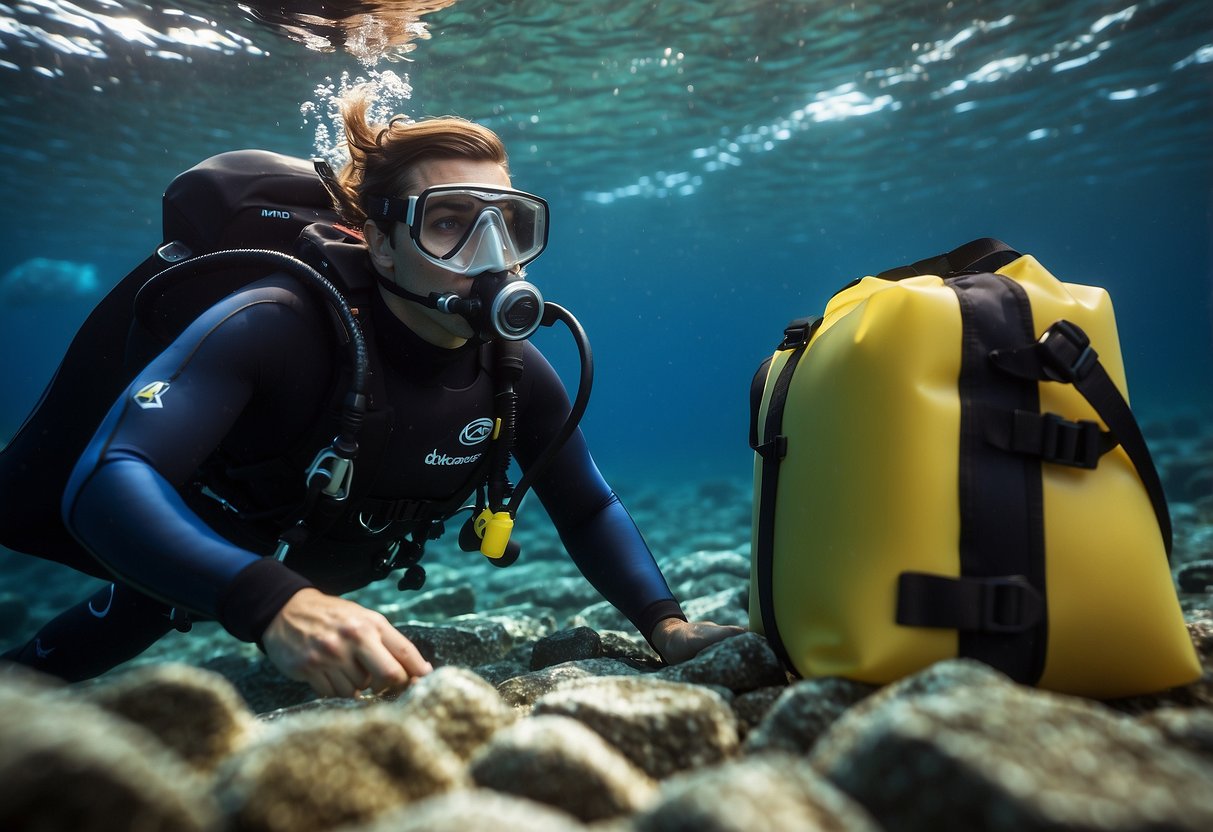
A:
(339, 647)
(677, 640)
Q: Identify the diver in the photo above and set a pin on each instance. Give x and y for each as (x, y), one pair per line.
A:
(175, 491)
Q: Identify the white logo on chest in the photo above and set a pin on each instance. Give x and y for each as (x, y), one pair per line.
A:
(474, 433)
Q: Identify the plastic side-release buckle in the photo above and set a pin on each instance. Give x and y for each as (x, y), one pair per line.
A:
(1066, 353)
(999, 605)
(1077, 444)
(1048, 437)
(798, 332)
(1009, 605)
(774, 448)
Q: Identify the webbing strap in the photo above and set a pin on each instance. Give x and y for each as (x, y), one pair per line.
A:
(1051, 437)
(984, 255)
(1064, 354)
(971, 605)
(997, 602)
(771, 453)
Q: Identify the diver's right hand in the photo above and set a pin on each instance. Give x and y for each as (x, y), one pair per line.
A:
(339, 647)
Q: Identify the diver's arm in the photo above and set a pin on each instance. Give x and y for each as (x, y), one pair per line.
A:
(608, 548)
(594, 526)
(255, 355)
(122, 501)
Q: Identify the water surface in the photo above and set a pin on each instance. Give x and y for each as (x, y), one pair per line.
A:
(715, 169)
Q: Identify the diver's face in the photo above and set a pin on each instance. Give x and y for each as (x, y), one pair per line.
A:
(399, 259)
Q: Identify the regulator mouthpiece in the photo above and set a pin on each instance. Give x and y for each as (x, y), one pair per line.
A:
(501, 305)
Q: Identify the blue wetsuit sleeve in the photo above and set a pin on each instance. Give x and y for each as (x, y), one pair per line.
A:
(593, 523)
(122, 501)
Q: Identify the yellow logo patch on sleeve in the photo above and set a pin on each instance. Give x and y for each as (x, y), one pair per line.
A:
(149, 396)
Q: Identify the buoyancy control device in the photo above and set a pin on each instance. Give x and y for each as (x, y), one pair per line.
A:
(228, 221)
(946, 465)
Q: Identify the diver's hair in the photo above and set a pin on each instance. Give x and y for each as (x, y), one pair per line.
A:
(384, 157)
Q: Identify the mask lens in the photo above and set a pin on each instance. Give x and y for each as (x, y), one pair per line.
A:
(469, 229)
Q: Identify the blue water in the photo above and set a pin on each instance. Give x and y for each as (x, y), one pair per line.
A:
(714, 169)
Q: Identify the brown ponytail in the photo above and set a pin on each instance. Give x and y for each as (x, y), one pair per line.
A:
(383, 157)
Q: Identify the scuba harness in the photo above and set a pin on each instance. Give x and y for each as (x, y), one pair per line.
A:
(330, 475)
(503, 309)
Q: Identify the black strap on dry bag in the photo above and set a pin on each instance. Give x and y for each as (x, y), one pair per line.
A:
(771, 453)
(998, 602)
(1064, 354)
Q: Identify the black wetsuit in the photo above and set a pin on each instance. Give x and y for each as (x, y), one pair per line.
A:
(246, 384)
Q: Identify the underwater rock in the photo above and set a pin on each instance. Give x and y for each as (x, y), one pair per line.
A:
(328, 703)
(662, 727)
(752, 707)
(462, 708)
(564, 594)
(1201, 691)
(495, 673)
(443, 602)
(629, 647)
(468, 644)
(566, 646)
(1195, 577)
(1190, 728)
(523, 691)
(770, 793)
(941, 677)
(474, 809)
(725, 607)
(706, 563)
(562, 763)
(523, 623)
(317, 771)
(741, 663)
(66, 764)
(709, 585)
(1197, 606)
(262, 685)
(39, 280)
(803, 713)
(1000, 756)
(600, 616)
(1189, 476)
(195, 713)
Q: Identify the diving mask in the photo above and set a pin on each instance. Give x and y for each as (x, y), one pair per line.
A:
(470, 228)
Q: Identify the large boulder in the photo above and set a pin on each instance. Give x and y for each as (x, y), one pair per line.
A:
(769, 793)
(319, 770)
(803, 713)
(741, 663)
(999, 756)
(66, 764)
(662, 727)
(467, 644)
(562, 763)
(196, 713)
(524, 691)
(463, 709)
(474, 809)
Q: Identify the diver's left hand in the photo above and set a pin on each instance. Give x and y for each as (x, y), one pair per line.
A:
(677, 640)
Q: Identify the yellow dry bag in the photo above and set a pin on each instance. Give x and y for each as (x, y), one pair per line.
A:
(946, 465)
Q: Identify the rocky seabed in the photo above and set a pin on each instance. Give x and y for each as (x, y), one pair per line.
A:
(546, 711)
(595, 734)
